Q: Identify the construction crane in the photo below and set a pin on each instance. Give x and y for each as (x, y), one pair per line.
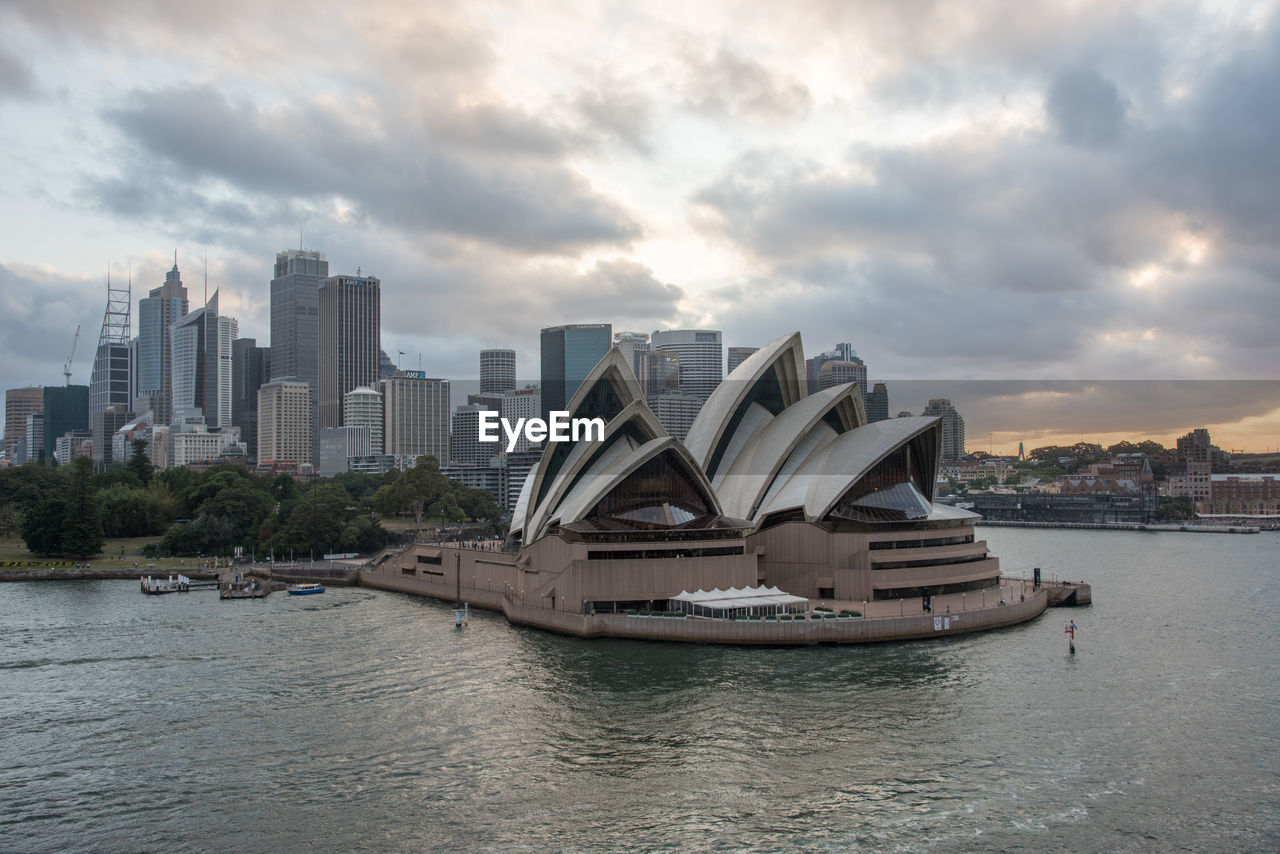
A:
(66, 367)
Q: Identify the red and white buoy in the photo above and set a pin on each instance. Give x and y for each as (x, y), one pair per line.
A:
(1070, 630)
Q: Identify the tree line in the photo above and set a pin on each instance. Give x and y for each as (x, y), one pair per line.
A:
(70, 510)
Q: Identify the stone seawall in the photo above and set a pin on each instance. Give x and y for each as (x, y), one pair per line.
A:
(61, 573)
(738, 632)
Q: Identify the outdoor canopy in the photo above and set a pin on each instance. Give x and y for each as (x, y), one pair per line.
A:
(737, 597)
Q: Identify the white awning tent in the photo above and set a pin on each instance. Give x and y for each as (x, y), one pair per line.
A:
(738, 600)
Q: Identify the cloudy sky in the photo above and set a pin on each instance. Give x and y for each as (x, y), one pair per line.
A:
(986, 191)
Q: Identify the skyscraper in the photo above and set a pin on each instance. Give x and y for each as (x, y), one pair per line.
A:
(465, 447)
(157, 313)
(738, 355)
(202, 363)
(350, 318)
(295, 299)
(109, 384)
(842, 353)
(497, 371)
(952, 427)
(18, 404)
(877, 403)
(103, 427)
(416, 417)
(250, 370)
(362, 407)
(66, 409)
(634, 347)
(284, 421)
(701, 358)
(836, 372)
(569, 353)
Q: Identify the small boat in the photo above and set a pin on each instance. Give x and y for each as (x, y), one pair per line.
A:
(304, 589)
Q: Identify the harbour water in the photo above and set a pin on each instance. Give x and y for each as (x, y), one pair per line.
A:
(362, 721)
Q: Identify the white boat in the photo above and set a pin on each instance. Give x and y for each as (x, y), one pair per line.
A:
(304, 589)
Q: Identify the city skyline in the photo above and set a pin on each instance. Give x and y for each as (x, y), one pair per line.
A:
(1044, 196)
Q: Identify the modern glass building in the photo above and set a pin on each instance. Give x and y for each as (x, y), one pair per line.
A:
(569, 353)
(157, 313)
(350, 324)
(250, 370)
(66, 408)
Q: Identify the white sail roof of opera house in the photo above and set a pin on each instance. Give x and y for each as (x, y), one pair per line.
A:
(766, 383)
(615, 467)
(819, 482)
(605, 392)
(632, 427)
(759, 447)
(742, 482)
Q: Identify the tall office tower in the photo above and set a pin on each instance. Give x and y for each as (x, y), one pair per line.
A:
(156, 315)
(661, 373)
(362, 407)
(569, 353)
(103, 427)
(465, 447)
(66, 409)
(701, 358)
(284, 421)
(497, 371)
(738, 355)
(33, 436)
(521, 403)
(202, 365)
(295, 300)
(877, 403)
(415, 422)
(842, 353)
(952, 427)
(222, 361)
(109, 383)
(250, 370)
(835, 372)
(676, 411)
(350, 321)
(18, 404)
(634, 347)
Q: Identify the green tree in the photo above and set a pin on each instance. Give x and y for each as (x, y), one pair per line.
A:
(10, 520)
(284, 487)
(42, 527)
(414, 490)
(82, 524)
(140, 464)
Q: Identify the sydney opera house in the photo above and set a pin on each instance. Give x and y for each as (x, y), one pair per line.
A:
(776, 504)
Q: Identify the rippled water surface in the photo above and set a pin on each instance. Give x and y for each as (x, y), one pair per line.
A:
(360, 720)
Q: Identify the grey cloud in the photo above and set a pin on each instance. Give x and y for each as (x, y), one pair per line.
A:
(16, 77)
(617, 111)
(1220, 159)
(39, 312)
(1015, 250)
(1085, 108)
(405, 177)
(726, 84)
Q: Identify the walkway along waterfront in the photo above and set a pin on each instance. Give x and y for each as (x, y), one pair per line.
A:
(495, 581)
